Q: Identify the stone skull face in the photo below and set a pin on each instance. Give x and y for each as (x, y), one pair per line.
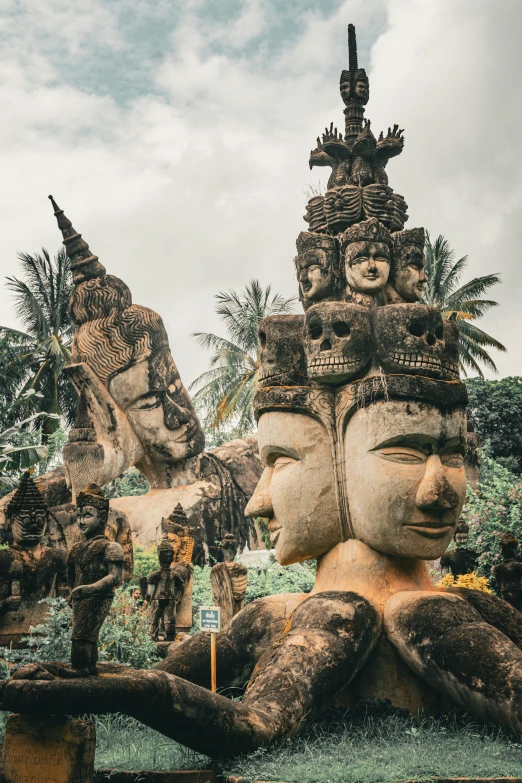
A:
(367, 266)
(337, 341)
(450, 361)
(409, 338)
(281, 351)
(28, 526)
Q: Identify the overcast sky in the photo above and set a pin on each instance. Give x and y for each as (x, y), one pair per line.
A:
(175, 134)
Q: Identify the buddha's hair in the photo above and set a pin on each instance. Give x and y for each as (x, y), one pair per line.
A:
(112, 333)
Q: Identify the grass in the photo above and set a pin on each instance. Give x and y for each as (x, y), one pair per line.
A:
(366, 750)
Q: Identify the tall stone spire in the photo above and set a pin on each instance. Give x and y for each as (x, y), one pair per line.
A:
(84, 265)
(352, 49)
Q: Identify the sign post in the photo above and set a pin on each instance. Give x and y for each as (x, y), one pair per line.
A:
(210, 620)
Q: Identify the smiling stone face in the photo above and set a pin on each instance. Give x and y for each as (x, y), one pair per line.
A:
(405, 477)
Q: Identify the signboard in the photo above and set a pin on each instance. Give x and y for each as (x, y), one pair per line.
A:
(210, 618)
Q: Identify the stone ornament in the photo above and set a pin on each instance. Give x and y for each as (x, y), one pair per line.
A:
(228, 581)
(337, 340)
(460, 560)
(508, 574)
(95, 570)
(29, 571)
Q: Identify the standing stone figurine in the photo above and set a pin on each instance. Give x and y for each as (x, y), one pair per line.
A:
(460, 560)
(29, 571)
(95, 569)
(177, 529)
(508, 575)
(228, 581)
(165, 589)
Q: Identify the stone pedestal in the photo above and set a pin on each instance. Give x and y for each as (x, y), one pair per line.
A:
(48, 750)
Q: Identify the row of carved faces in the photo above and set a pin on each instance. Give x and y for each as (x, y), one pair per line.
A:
(384, 269)
(337, 342)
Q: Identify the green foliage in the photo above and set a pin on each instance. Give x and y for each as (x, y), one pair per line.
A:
(461, 305)
(226, 391)
(274, 578)
(145, 561)
(495, 507)
(131, 483)
(496, 410)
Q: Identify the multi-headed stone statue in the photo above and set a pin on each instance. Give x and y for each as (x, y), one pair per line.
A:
(362, 432)
(228, 581)
(95, 570)
(29, 571)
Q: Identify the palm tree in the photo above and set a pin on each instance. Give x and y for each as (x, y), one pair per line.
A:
(41, 351)
(460, 304)
(226, 391)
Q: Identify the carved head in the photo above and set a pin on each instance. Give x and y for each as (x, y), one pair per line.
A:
(461, 535)
(409, 338)
(92, 511)
(165, 553)
(27, 514)
(366, 249)
(318, 268)
(508, 545)
(407, 273)
(337, 338)
(229, 548)
(281, 350)
(345, 87)
(361, 87)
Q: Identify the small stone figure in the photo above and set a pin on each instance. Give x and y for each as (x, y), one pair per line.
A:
(228, 581)
(95, 569)
(29, 571)
(177, 529)
(460, 560)
(508, 575)
(165, 589)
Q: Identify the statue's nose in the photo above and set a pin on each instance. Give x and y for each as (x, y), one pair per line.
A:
(260, 504)
(435, 491)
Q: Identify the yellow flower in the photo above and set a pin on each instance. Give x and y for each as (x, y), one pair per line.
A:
(470, 581)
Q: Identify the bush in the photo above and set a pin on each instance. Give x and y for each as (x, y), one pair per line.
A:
(131, 483)
(145, 562)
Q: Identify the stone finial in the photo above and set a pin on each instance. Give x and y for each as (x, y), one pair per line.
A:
(84, 265)
(26, 497)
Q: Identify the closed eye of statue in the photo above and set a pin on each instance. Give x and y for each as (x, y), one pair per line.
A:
(282, 462)
(404, 455)
(146, 403)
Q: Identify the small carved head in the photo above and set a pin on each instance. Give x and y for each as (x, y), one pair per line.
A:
(281, 351)
(318, 268)
(27, 513)
(361, 87)
(165, 553)
(508, 545)
(461, 534)
(366, 249)
(229, 548)
(407, 273)
(345, 87)
(409, 338)
(92, 511)
(337, 340)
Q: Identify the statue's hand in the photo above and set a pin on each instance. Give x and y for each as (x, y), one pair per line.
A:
(32, 671)
(83, 591)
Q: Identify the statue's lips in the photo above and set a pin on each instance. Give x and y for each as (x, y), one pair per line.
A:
(274, 530)
(431, 530)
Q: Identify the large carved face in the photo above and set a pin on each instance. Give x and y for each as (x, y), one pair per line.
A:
(296, 491)
(281, 351)
(28, 526)
(405, 477)
(337, 341)
(367, 266)
(159, 409)
(409, 338)
(410, 277)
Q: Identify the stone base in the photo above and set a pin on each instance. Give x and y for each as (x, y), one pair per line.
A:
(48, 750)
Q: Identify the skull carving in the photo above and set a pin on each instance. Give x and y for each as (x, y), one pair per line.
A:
(450, 360)
(282, 356)
(337, 341)
(409, 338)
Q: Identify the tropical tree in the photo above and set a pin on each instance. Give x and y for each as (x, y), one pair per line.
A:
(41, 351)
(225, 392)
(462, 305)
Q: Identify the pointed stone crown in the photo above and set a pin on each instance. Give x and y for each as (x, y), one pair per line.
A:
(92, 495)
(84, 265)
(26, 498)
(366, 231)
(410, 236)
(83, 429)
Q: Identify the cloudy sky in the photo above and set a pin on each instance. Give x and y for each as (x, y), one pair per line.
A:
(175, 134)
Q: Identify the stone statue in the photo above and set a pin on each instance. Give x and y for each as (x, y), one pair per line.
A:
(228, 581)
(461, 560)
(29, 571)
(364, 471)
(407, 275)
(95, 570)
(318, 268)
(177, 530)
(366, 250)
(165, 589)
(508, 574)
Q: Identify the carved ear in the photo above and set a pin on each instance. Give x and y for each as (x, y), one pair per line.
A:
(114, 447)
